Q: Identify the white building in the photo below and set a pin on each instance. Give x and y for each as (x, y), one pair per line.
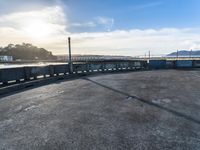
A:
(6, 58)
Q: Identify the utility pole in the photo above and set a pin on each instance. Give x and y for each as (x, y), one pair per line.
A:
(177, 54)
(149, 54)
(70, 57)
(191, 53)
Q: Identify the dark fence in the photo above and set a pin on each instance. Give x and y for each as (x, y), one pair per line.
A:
(22, 74)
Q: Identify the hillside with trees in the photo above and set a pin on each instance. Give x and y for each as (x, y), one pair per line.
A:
(26, 51)
(185, 53)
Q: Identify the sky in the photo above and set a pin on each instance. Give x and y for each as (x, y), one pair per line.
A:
(103, 27)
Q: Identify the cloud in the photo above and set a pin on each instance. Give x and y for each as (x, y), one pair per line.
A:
(147, 5)
(89, 24)
(137, 42)
(116, 42)
(98, 22)
(53, 15)
(8, 6)
(107, 22)
(16, 27)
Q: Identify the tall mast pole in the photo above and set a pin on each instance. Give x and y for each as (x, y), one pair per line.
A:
(149, 54)
(70, 57)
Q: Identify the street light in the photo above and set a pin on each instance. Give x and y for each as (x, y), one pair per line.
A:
(70, 57)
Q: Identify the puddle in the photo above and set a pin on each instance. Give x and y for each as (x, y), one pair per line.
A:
(60, 92)
(129, 98)
(18, 109)
(156, 101)
(161, 101)
(30, 108)
(166, 100)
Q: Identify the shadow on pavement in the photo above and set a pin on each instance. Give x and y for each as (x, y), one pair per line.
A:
(174, 112)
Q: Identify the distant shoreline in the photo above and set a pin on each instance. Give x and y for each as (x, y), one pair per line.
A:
(31, 61)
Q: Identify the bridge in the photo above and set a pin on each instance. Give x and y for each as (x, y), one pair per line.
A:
(109, 105)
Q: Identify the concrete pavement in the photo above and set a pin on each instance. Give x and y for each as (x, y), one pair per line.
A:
(139, 110)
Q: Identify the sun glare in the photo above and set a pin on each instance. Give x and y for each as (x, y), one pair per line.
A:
(37, 29)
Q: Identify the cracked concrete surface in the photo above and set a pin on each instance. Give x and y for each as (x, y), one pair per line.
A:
(140, 110)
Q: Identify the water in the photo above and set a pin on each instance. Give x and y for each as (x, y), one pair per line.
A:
(11, 65)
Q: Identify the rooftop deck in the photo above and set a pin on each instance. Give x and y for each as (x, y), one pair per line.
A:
(138, 110)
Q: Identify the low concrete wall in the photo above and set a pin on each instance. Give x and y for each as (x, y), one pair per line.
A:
(17, 75)
(29, 73)
(173, 64)
(184, 64)
(196, 63)
(157, 64)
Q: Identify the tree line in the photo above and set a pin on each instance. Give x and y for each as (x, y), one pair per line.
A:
(26, 51)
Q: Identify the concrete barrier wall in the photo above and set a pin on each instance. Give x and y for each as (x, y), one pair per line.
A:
(196, 63)
(157, 64)
(34, 72)
(10, 74)
(24, 74)
(95, 66)
(184, 64)
(173, 64)
(170, 64)
(59, 69)
(29, 73)
(80, 68)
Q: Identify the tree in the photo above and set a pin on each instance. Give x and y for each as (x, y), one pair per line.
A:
(27, 51)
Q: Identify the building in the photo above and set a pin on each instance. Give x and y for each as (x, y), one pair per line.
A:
(6, 58)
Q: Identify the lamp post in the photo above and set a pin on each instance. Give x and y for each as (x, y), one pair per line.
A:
(191, 53)
(177, 54)
(149, 55)
(70, 57)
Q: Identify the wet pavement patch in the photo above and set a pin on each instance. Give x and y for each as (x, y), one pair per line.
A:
(129, 98)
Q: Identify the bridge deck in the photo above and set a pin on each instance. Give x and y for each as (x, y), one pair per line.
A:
(138, 110)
